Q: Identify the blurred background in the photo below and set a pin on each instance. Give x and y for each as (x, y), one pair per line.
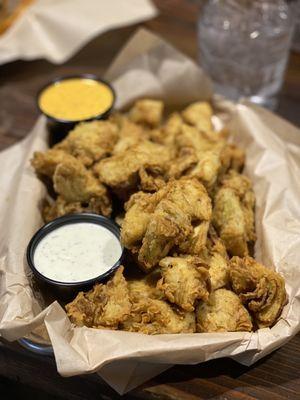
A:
(250, 48)
(246, 47)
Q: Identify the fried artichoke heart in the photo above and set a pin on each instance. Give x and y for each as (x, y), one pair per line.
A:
(147, 111)
(78, 190)
(199, 156)
(185, 280)
(152, 317)
(145, 287)
(122, 171)
(233, 213)
(215, 256)
(74, 182)
(105, 306)
(155, 223)
(90, 141)
(199, 114)
(261, 289)
(60, 207)
(130, 134)
(224, 312)
(45, 163)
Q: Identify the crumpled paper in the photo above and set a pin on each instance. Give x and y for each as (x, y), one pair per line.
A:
(148, 66)
(57, 29)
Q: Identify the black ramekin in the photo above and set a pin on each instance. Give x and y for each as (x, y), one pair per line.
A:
(59, 128)
(66, 290)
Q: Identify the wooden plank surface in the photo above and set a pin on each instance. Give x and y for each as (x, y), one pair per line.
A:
(276, 376)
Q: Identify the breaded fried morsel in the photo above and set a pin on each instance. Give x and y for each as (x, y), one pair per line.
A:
(152, 317)
(215, 256)
(105, 306)
(130, 134)
(154, 224)
(261, 289)
(121, 171)
(46, 163)
(224, 312)
(60, 207)
(204, 152)
(233, 213)
(185, 280)
(78, 190)
(90, 141)
(118, 305)
(199, 114)
(138, 209)
(74, 182)
(146, 287)
(147, 112)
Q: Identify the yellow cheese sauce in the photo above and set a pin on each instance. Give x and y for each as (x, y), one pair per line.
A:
(76, 99)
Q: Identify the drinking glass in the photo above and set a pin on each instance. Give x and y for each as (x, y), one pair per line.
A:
(295, 6)
(244, 47)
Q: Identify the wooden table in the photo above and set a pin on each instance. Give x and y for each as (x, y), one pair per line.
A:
(276, 376)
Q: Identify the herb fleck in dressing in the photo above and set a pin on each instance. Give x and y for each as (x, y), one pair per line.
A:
(77, 252)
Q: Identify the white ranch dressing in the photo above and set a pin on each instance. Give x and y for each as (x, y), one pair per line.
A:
(77, 252)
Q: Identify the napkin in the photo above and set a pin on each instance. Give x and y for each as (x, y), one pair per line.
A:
(57, 29)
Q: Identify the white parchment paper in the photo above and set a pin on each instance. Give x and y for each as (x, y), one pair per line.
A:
(148, 66)
(57, 29)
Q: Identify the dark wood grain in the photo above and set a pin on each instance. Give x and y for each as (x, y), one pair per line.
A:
(277, 376)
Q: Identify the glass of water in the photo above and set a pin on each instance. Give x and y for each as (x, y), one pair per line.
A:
(295, 6)
(244, 47)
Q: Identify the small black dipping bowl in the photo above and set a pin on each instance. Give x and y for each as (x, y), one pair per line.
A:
(67, 290)
(59, 128)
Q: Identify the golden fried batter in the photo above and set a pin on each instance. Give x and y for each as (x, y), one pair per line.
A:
(145, 287)
(195, 242)
(233, 213)
(90, 141)
(223, 312)
(78, 190)
(138, 209)
(215, 256)
(260, 288)
(151, 178)
(130, 134)
(232, 157)
(199, 114)
(147, 112)
(167, 219)
(184, 281)
(167, 133)
(152, 317)
(199, 155)
(105, 306)
(75, 183)
(59, 207)
(121, 305)
(218, 269)
(121, 171)
(46, 163)
(167, 227)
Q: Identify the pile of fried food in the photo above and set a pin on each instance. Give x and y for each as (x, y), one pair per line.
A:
(186, 212)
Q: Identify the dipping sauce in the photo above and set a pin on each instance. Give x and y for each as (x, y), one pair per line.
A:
(77, 252)
(76, 99)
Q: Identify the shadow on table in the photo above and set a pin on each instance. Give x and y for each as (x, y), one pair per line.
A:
(214, 378)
